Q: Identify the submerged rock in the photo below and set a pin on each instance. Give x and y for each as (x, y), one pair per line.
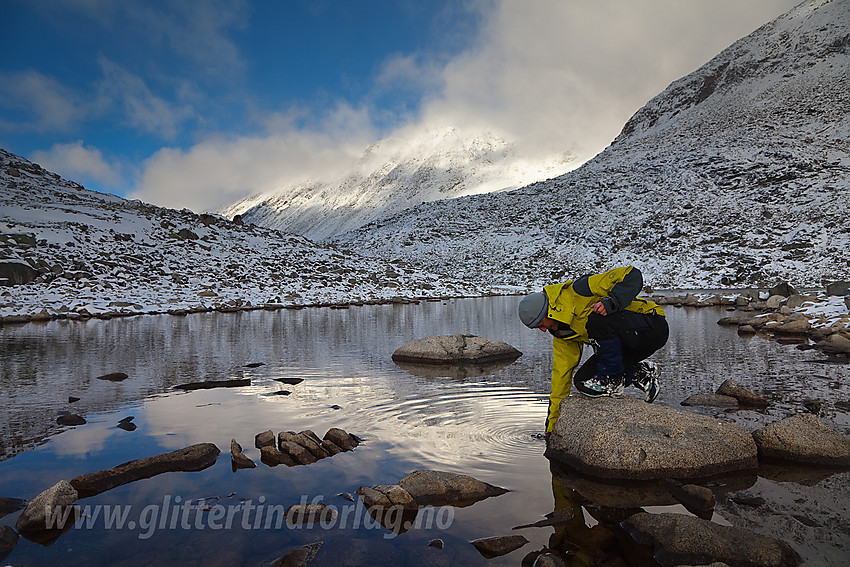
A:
(70, 419)
(8, 541)
(439, 488)
(744, 396)
(193, 458)
(491, 547)
(300, 557)
(298, 514)
(803, 439)
(113, 377)
(678, 539)
(209, 384)
(450, 349)
(629, 439)
(53, 500)
(9, 505)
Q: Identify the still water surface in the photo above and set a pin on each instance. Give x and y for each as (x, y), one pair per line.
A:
(481, 425)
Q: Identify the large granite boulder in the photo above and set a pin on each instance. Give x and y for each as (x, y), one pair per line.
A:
(678, 539)
(193, 458)
(803, 439)
(47, 508)
(449, 349)
(629, 439)
(440, 488)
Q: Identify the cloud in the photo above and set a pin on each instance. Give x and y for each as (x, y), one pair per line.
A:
(220, 171)
(77, 161)
(43, 103)
(141, 107)
(552, 77)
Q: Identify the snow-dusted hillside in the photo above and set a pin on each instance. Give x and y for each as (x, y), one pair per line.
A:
(392, 175)
(736, 174)
(75, 252)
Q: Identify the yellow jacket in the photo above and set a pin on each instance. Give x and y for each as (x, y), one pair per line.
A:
(569, 303)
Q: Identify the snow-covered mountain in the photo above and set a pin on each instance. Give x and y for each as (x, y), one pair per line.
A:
(69, 252)
(737, 174)
(394, 174)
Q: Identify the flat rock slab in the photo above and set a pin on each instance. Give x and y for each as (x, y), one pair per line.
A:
(491, 547)
(449, 349)
(678, 539)
(803, 439)
(193, 458)
(209, 384)
(626, 438)
(439, 488)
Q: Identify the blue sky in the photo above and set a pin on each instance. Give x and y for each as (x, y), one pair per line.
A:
(198, 102)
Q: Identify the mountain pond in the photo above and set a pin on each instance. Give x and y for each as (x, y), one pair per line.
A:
(484, 425)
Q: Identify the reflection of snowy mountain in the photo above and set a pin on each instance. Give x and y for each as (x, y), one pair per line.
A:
(736, 174)
(392, 175)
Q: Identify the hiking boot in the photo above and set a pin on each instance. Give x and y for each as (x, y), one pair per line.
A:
(603, 385)
(646, 378)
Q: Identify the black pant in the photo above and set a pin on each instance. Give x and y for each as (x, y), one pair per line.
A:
(641, 334)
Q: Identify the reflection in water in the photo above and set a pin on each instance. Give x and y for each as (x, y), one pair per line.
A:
(483, 424)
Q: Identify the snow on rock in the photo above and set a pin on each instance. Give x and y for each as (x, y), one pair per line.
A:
(93, 254)
(736, 175)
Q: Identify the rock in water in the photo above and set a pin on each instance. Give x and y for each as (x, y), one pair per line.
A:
(439, 488)
(55, 499)
(629, 439)
(685, 540)
(193, 458)
(450, 349)
(491, 547)
(803, 439)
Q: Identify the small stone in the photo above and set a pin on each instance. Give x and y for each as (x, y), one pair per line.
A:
(70, 419)
(113, 377)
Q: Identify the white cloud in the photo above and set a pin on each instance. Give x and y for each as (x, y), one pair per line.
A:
(219, 171)
(77, 161)
(44, 103)
(142, 108)
(549, 75)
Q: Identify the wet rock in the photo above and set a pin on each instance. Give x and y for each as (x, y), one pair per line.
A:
(9, 505)
(238, 459)
(290, 381)
(300, 557)
(835, 344)
(264, 439)
(54, 499)
(298, 454)
(343, 440)
(113, 377)
(627, 438)
(193, 458)
(72, 399)
(697, 499)
(298, 514)
(681, 540)
(803, 439)
(439, 488)
(255, 364)
(490, 547)
(271, 456)
(8, 541)
(214, 384)
(548, 560)
(747, 330)
(710, 400)
(744, 396)
(70, 419)
(783, 288)
(449, 349)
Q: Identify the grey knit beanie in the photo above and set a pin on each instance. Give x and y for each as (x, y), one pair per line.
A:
(533, 308)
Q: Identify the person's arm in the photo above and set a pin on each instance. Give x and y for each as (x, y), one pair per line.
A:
(616, 288)
(565, 358)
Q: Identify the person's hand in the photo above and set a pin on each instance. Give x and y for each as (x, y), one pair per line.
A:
(599, 308)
